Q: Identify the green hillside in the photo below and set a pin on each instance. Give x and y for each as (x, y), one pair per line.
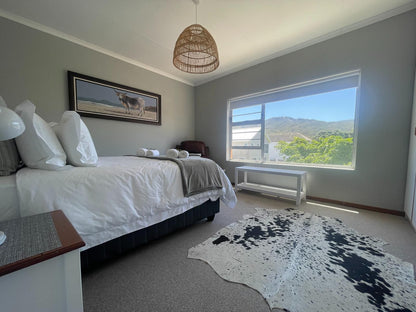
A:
(286, 128)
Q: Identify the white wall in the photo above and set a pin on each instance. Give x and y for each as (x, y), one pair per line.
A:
(385, 53)
(34, 65)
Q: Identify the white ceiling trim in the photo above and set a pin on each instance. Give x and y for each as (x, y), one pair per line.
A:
(330, 35)
(65, 36)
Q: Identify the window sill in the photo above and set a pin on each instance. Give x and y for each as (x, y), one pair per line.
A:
(288, 165)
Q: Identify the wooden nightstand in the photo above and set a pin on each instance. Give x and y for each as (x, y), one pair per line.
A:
(49, 280)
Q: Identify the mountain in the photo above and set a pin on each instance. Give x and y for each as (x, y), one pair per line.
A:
(105, 102)
(286, 128)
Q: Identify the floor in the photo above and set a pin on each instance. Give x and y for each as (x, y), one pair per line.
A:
(159, 277)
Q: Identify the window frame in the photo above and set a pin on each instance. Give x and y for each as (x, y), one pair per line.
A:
(262, 121)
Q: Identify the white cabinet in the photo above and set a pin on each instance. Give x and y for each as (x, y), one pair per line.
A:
(51, 285)
(45, 281)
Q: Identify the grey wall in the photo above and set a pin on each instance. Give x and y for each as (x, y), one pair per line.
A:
(33, 66)
(409, 203)
(385, 52)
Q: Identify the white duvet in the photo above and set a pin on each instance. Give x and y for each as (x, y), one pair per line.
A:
(120, 195)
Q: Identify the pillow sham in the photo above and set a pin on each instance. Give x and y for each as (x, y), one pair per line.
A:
(76, 140)
(38, 145)
(2, 102)
(10, 160)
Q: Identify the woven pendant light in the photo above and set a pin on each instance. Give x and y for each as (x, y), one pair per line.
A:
(195, 50)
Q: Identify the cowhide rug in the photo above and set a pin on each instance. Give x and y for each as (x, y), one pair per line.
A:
(303, 262)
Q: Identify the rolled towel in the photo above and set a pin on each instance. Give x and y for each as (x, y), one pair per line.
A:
(152, 153)
(172, 153)
(141, 151)
(183, 154)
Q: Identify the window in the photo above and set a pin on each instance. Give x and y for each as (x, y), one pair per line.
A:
(308, 124)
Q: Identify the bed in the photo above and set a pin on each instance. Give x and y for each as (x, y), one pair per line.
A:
(118, 205)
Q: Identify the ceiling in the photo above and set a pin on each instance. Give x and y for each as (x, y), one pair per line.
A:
(247, 32)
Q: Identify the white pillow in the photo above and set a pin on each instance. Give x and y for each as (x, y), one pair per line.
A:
(38, 145)
(76, 140)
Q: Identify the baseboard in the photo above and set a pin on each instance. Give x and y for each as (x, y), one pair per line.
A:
(359, 206)
(354, 205)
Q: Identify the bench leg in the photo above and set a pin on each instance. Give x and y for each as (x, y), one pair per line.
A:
(304, 186)
(236, 180)
(298, 190)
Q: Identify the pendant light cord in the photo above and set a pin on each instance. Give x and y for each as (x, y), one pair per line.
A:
(196, 2)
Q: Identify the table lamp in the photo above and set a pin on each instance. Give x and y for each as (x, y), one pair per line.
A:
(11, 126)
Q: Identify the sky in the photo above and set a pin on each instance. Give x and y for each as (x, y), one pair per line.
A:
(331, 106)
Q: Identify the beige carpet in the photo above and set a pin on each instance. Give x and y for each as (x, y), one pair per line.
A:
(159, 277)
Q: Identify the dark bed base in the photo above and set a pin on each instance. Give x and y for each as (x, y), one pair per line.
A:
(98, 254)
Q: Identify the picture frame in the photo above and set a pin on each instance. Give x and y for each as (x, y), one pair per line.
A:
(98, 98)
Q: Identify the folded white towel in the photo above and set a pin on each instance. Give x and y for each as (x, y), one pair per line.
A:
(173, 153)
(183, 154)
(141, 151)
(152, 153)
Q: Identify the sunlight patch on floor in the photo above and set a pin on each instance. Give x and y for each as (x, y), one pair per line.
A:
(332, 207)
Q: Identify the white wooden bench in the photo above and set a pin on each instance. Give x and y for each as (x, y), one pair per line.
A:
(298, 194)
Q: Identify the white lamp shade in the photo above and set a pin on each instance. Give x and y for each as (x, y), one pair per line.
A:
(11, 125)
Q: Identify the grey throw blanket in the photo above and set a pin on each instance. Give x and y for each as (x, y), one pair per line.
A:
(198, 174)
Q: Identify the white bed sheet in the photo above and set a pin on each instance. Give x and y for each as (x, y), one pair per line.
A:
(9, 204)
(119, 196)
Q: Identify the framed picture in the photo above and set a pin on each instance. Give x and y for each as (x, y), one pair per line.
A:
(93, 97)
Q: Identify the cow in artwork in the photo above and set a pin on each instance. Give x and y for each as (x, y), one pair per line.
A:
(131, 103)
